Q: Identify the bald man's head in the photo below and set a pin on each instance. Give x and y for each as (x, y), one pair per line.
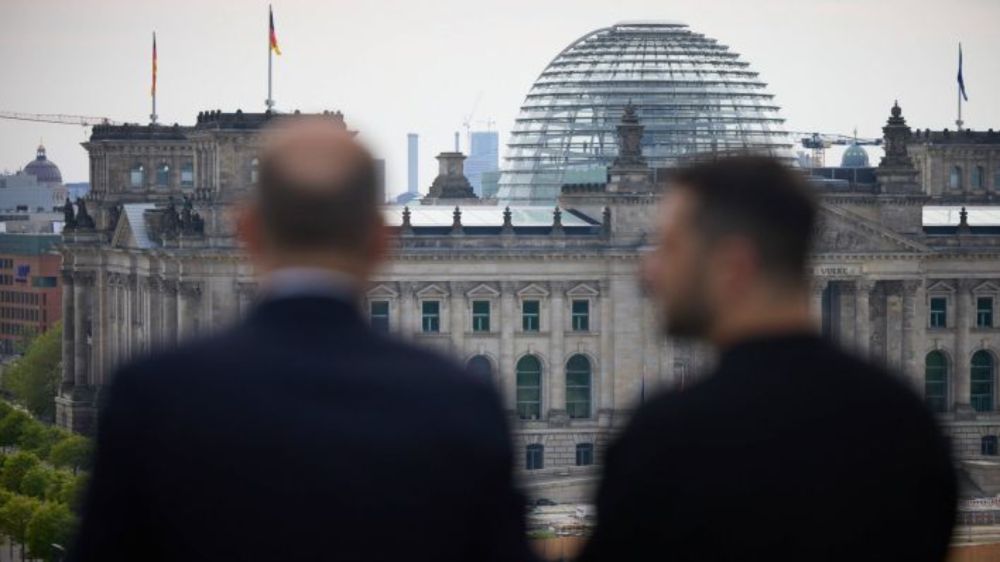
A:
(317, 188)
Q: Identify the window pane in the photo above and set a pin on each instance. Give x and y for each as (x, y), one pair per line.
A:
(162, 175)
(187, 175)
(984, 312)
(939, 312)
(982, 381)
(578, 387)
(379, 314)
(936, 381)
(529, 388)
(530, 316)
(584, 454)
(581, 316)
(431, 321)
(480, 316)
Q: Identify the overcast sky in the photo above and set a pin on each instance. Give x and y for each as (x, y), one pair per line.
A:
(405, 66)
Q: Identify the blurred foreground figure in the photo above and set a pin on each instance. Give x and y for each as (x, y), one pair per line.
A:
(791, 449)
(301, 434)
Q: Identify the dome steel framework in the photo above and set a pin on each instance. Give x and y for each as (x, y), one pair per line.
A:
(693, 95)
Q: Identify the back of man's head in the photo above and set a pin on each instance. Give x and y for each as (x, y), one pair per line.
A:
(760, 200)
(316, 189)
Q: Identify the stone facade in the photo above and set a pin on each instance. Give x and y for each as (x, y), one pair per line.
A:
(560, 290)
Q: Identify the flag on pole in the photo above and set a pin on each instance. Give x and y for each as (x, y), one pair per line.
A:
(152, 90)
(273, 38)
(961, 81)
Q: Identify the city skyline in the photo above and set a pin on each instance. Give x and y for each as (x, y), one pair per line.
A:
(831, 64)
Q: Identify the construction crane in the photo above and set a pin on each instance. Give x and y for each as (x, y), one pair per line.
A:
(819, 142)
(467, 123)
(58, 118)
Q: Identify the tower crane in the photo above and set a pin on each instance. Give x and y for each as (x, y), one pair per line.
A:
(58, 118)
(819, 142)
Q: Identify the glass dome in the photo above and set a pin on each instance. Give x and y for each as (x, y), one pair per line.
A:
(693, 95)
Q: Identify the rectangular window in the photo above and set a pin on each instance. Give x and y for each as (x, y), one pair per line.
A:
(939, 312)
(530, 316)
(431, 317)
(43, 282)
(581, 316)
(379, 315)
(187, 175)
(534, 457)
(584, 454)
(480, 316)
(984, 312)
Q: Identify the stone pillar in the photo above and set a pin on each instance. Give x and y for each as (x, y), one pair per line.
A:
(510, 319)
(960, 357)
(862, 317)
(82, 287)
(816, 303)
(170, 312)
(606, 400)
(894, 325)
(154, 322)
(69, 330)
(190, 299)
(407, 310)
(847, 313)
(557, 367)
(460, 317)
(910, 332)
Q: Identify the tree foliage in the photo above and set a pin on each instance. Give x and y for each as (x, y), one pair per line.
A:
(15, 467)
(52, 523)
(34, 378)
(11, 427)
(15, 516)
(37, 480)
(73, 452)
(39, 438)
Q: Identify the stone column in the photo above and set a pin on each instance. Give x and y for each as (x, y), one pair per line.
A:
(154, 323)
(69, 330)
(847, 313)
(407, 310)
(862, 316)
(510, 319)
(190, 299)
(82, 286)
(557, 369)
(606, 401)
(171, 313)
(460, 314)
(816, 303)
(960, 369)
(910, 332)
(894, 325)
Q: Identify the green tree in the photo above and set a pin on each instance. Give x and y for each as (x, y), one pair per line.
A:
(73, 452)
(39, 438)
(14, 469)
(11, 427)
(71, 494)
(58, 480)
(52, 523)
(36, 481)
(34, 378)
(14, 518)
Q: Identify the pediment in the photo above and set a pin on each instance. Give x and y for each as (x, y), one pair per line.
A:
(986, 287)
(483, 291)
(839, 231)
(583, 290)
(941, 287)
(123, 237)
(432, 291)
(382, 291)
(533, 290)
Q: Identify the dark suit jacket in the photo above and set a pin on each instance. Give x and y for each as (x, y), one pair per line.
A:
(301, 435)
(791, 450)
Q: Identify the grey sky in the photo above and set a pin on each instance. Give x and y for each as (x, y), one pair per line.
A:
(398, 66)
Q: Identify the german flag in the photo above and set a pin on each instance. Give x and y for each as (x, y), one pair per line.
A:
(152, 90)
(272, 37)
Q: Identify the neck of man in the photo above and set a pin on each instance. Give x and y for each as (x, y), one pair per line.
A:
(767, 313)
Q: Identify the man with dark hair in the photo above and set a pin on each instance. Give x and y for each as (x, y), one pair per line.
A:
(302, 434)
(790, 449)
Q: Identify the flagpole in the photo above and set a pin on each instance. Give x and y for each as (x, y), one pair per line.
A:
(270, 55)
(153, 116)
(959, 122)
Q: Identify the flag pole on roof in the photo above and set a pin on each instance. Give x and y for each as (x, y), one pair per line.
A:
(961, 89)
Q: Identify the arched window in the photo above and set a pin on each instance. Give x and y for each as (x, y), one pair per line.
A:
(163, 175)
(982, 381)
(955, 177)
(187, 174)
(254, 164)
(529, 388)
(137, 175)
(977, 177)
(481, 367)
(578, 387)
(936, 381)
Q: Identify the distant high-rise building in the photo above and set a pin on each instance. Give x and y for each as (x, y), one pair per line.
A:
(484, 156)
(412, 157)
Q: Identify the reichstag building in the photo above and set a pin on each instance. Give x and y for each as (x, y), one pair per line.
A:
(537, 292)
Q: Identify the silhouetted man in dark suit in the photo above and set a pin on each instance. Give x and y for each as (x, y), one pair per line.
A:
(301, 434)
(790, 449)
